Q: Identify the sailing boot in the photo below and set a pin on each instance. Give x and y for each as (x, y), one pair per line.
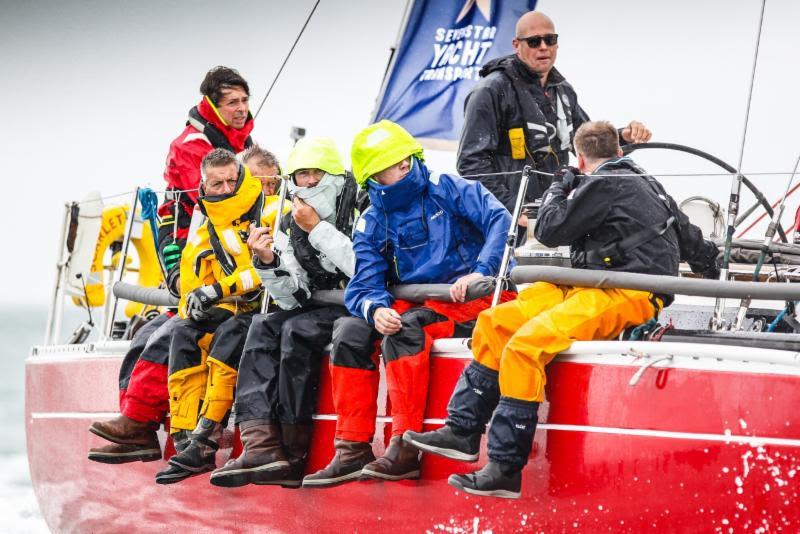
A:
(296, 442)
(347, 463)
(494, 480)
(261, 457)
(126, 431)
(449, 441)
(180, 440)
(399, 462)
(197, 457)
(115, 453)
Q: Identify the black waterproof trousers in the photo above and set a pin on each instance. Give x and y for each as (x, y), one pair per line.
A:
(279, 371)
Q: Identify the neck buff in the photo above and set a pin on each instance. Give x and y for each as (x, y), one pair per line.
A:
(322, 197)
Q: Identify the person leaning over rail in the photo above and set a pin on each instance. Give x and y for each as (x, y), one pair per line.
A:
(144, 400)
(220, 290)
(614, 217)
(422, 227)
(279, 371)
(221, 119)
(524, 112)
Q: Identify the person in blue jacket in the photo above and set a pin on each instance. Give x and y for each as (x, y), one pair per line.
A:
(421, 228)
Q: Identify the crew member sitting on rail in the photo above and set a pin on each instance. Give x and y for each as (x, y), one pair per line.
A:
(421, 228)
(614, 217)
(220, 290)
(279, 371)
(221, 120)
(144, 400)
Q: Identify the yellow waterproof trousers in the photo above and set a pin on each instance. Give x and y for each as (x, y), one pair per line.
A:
(219, 390)
(519, 338)
(187, 387)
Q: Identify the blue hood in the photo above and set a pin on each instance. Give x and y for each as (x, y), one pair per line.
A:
(397, 196)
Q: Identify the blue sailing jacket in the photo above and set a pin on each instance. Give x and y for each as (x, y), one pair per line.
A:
(425, 229)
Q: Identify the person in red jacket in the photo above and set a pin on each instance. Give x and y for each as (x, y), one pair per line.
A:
(220, 120)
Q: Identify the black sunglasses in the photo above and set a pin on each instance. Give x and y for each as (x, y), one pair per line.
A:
(551, 39)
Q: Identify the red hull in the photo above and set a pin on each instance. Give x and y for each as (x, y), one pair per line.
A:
(674, 452)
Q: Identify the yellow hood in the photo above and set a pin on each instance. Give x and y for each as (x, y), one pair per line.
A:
(225, 210)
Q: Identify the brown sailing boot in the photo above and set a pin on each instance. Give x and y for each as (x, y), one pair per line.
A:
(350, 458)
(126, 431)
(399, 462)
(296, 441)
(261, 458)
(115, 453)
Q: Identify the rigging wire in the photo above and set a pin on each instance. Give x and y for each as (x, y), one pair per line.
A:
(274, 80)
(718, 320)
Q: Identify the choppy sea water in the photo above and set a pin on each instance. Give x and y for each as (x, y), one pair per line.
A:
(19, 329)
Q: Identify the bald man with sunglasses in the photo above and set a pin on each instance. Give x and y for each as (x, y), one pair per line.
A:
(524, 112)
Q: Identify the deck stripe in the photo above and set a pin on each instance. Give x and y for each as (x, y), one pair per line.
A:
(747, 440)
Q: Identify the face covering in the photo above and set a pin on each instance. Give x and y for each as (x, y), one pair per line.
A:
(322, 197)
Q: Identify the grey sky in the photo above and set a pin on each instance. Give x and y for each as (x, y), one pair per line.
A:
(94, 91)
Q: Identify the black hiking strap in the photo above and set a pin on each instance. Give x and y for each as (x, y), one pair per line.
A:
(212, 133)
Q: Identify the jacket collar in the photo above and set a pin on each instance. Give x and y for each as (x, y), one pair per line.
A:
(235, 137)
(624, 163)
(514, 65)
(402, 194)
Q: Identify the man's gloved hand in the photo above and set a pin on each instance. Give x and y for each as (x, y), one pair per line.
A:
(569, 177)
(171, 254)
(712, 270)
(199, 301)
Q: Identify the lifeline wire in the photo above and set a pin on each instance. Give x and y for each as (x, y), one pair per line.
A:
(736, 185)
(286, 59)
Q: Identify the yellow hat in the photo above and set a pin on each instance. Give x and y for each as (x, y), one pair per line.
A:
(379, 146)
(315, 153)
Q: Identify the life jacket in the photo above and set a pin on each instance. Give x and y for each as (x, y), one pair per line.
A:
(541, 131)
(307, 256)
(212, 131)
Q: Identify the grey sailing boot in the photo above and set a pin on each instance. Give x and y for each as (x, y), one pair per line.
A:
(262, 455)
(197, 457)
(350, 458)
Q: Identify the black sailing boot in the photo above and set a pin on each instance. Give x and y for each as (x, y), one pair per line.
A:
(449, 441)
(197, 457)
(510, 440)
(262, 455)
(494, 480)
(350, 458)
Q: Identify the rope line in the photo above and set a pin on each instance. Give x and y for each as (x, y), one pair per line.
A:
(275, 80)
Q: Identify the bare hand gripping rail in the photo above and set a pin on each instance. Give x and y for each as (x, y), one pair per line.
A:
(655, 283)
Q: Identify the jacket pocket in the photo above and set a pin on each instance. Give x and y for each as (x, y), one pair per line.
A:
(412, 234)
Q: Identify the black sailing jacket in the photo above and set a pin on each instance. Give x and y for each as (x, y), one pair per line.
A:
(608, 206)
(511, 96)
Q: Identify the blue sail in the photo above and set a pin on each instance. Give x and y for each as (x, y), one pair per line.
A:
(442, 48)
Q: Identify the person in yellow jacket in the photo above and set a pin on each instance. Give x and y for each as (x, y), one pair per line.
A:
(614, 217)
(219, 294)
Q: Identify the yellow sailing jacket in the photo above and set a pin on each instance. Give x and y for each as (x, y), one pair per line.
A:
(218, 253)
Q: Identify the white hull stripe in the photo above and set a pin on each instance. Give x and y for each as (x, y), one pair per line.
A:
(747, 440)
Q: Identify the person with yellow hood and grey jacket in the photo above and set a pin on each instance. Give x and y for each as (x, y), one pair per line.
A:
(220, 291)
(279, 372)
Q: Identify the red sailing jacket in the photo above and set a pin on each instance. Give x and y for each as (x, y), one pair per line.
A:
(204, 131)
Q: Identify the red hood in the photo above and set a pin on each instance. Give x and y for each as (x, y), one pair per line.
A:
(235, 137)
